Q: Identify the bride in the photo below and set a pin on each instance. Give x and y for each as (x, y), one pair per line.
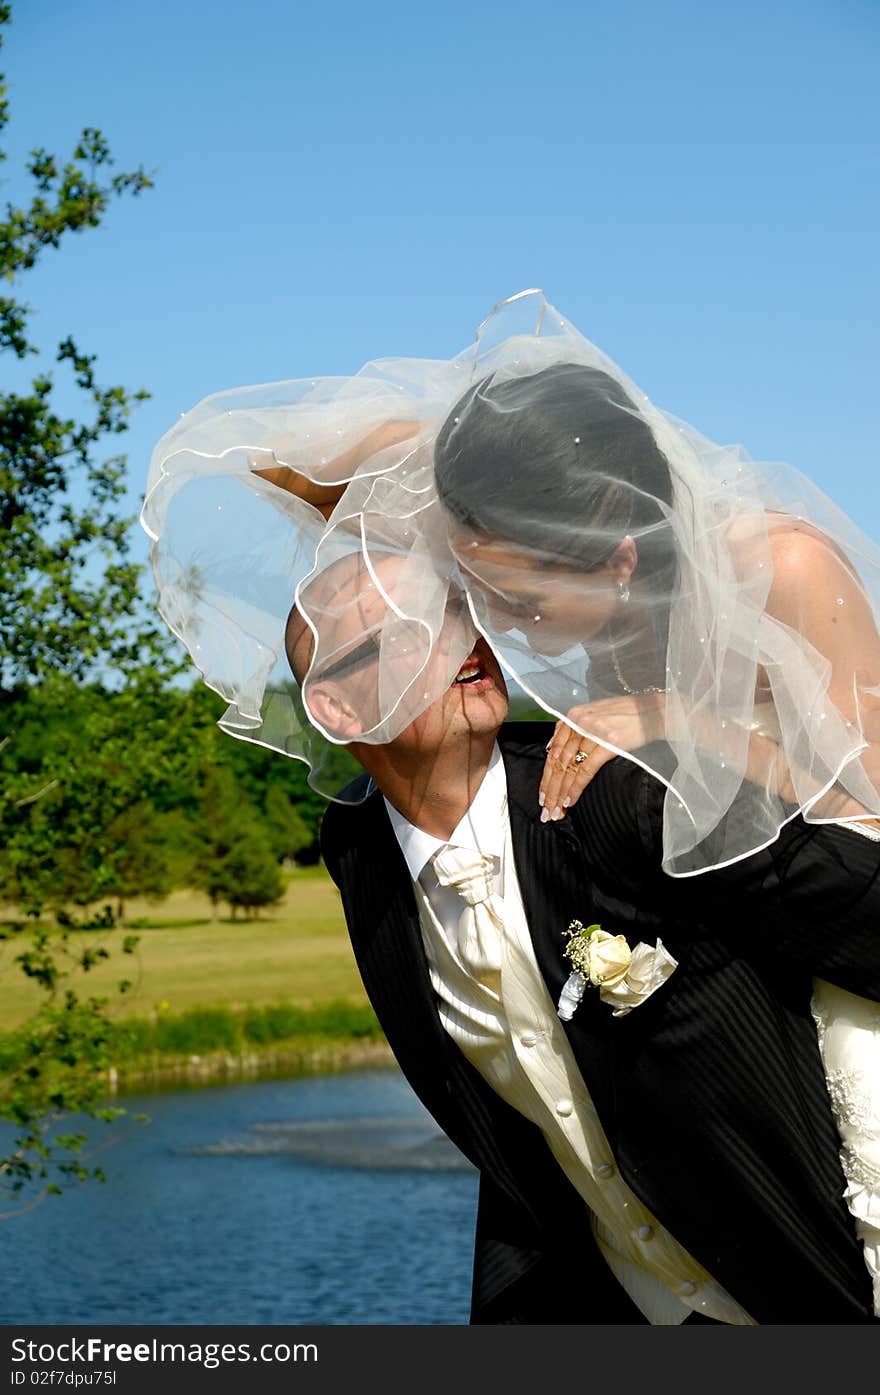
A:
(702, 611)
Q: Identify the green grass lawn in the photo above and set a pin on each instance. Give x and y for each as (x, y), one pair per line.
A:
(297, 951)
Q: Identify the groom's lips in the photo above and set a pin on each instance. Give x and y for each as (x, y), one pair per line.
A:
(474, 675)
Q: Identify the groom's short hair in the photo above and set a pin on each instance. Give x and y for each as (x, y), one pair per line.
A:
(299, 643)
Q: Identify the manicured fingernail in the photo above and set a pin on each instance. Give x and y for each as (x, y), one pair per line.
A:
(545, 815)
(557, 813)
(566, 801)
(541, 798)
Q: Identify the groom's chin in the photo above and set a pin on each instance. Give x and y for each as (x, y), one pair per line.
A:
(479, 713)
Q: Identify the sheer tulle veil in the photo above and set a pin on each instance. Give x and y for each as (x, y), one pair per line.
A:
(486, 493)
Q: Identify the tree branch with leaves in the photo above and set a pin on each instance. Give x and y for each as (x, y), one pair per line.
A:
(70, 612)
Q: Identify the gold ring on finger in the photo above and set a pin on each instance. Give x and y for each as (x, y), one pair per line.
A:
(583, 755)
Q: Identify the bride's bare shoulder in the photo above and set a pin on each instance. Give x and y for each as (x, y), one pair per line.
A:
(797, 551)
(816, 589)
(804, 556)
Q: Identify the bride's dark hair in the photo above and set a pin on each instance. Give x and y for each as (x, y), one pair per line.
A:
(526, 459)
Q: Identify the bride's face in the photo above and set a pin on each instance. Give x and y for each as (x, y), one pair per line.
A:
(554, 604)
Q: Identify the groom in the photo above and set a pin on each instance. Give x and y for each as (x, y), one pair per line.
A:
(679, 1163)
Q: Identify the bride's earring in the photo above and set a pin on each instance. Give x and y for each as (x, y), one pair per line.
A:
(622, 592)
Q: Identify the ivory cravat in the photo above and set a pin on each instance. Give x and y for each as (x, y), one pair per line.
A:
(481, 923)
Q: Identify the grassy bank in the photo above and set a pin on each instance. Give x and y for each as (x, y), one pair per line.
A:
(305, 1056)
(220, 1044)
(216, 999)
(298, 951)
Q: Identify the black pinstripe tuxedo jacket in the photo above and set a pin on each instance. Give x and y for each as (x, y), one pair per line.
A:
(711, 1093)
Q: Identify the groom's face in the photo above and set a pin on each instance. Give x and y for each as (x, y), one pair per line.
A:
(474, 704)
(368, 657)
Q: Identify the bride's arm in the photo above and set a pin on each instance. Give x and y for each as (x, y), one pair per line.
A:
(325, 494)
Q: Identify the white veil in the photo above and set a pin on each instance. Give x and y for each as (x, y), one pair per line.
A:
(512, 473)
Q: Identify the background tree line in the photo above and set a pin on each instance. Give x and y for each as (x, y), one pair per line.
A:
(139, 792)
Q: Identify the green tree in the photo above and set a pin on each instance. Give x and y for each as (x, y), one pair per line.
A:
(288, 832)
(221, 809)
(106, 764)
(69, 606)
(251, 876)
(69, 597)
(236, 860)
(141, 859)
(259, 770)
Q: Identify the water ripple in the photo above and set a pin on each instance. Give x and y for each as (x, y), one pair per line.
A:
(388, 1144)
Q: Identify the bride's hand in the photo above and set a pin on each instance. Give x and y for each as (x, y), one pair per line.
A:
(625, 722)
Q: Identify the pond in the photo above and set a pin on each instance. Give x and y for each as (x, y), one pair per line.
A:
(324, 1199)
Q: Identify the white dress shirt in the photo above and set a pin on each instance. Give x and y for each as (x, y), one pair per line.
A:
(515, 1039)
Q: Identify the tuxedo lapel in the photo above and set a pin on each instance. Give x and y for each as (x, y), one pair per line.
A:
(383, 921)
(556, 889)
(384, 925)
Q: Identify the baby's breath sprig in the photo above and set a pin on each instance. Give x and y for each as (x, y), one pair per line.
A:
(625, 977)
(577, 949)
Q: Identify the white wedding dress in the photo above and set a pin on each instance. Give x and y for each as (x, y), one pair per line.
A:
(849, 1040)
(849, 1044)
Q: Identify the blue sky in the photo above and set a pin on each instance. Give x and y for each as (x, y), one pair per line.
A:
(695, 187)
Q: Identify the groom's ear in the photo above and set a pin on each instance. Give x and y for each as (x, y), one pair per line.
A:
(330, 709)
(325, 701)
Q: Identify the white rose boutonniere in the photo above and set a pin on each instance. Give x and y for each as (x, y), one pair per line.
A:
(625, 977)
